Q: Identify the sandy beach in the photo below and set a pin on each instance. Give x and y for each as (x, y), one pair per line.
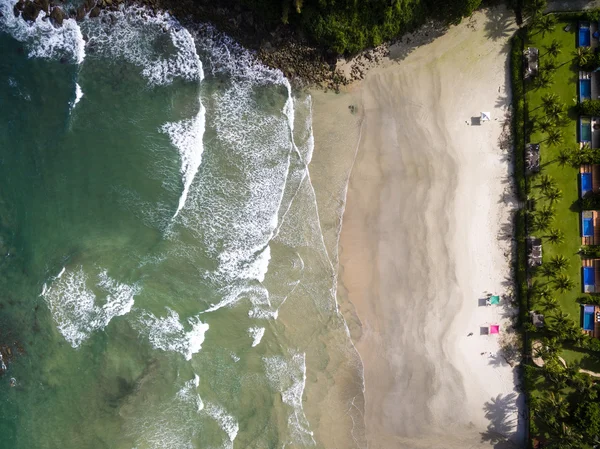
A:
(426, 237)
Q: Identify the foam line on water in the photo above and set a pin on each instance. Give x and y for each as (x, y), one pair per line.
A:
(78, 94)
(74, 307)
(188, 393)
(187, 137)
(288, 376)
(139, 36)
(169, 334)
(256, 333)
(226, 421)
(42, 39)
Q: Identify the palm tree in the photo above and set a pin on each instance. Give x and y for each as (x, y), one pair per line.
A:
(556, 112)
(538, 291)
(547, 182)
(563, 283)
(545, 124)
(583, 55)
(541, 223)
(548, 270)
(555, 137)
(549, 304)
(554, 48)
(549, 65)
(563, 158)
(546, 24)
(546, 213)
(559, 262)
(556, 236)
(550, 100)
(553, 195)
(534, 9)
(544, 79)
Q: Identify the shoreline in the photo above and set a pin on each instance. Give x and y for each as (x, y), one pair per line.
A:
(410, 293)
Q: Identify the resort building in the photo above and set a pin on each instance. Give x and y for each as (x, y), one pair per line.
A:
(537, 319)
(590, 320)
(590, 227)
(534, 246)
(532, 157)
(532, 57)
(589, 179)
(589, 131)
(590, 272)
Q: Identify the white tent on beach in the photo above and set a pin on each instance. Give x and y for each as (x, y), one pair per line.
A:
(485, 117)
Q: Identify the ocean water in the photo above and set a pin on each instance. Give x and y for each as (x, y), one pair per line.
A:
(162, 264)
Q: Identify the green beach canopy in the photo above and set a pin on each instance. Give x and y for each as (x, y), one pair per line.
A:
(495, 299)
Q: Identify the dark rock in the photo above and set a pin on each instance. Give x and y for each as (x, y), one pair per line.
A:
(95, 12)
(31, 11)
(64, 60)
(44, 5)
(80, 15)
(57, 16)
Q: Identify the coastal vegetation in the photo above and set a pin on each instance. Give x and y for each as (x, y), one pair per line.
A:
(561, 380)
(348, 26)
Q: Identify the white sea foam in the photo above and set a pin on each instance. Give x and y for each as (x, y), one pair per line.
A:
(187, 137)
(226, 421)
(75, 308)
(78, 94)
(188, 393)
(288, 376)
(256, 333)
(168, 334)
(43, 40)
(143, 38)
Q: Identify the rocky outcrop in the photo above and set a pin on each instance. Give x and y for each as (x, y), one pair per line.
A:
(302, 63)
(57, 16)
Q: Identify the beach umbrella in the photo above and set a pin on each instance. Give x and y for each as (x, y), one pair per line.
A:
(486, 116)
(494, 329)
(495, 299)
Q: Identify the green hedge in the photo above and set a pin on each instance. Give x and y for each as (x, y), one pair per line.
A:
(518, 118)
(591, 201)
(590, 251)
(589, 107)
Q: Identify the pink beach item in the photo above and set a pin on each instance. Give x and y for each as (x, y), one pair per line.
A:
(494, 329)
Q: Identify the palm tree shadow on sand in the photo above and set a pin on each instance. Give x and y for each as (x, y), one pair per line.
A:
(500, 24)
(499, 411)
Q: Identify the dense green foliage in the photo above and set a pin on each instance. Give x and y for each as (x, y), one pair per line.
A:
(518, 119)
(348, 26)
(563, 397)
(591, 202)
(589, 107)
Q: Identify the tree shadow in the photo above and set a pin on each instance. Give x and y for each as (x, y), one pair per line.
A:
(499, 411)
(500, 24)
(427, 33)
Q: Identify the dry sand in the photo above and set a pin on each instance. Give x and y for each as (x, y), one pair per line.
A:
(425, 236)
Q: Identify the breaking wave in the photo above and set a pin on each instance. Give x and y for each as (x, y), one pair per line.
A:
(168, 334)
(76, 309)
(43, 40)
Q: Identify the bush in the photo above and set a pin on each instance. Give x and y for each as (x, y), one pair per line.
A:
(518, 114)
(589, 107)
(590, 251)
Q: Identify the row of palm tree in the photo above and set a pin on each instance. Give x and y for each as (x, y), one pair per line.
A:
(552, 411)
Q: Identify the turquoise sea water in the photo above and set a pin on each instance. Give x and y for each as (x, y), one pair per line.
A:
(162, 265)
